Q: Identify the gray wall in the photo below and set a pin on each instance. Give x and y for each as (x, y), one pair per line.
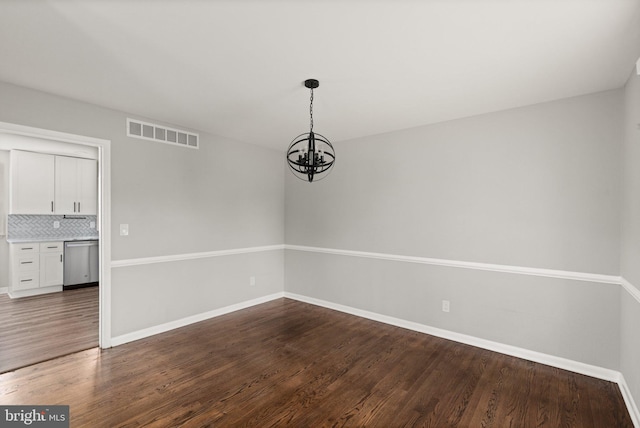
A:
(225, 195)
(534, 187)
(192, 286)
(630, 258)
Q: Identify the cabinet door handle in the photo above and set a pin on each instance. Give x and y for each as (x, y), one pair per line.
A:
(78, 206)
(60, 258)
(51, 206)
(26, 248)
(25, 263)
(26, 280)
(74, 207)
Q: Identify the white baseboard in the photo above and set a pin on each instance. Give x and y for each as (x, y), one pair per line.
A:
(4, 290)
(141, 334)
(34, 291)
(538, 357)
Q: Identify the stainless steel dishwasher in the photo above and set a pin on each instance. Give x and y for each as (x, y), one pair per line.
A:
(80, 264)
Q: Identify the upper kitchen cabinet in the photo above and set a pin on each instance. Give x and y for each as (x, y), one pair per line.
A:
(76, 186)
(87, 186)
(48, 184)
(32, 188)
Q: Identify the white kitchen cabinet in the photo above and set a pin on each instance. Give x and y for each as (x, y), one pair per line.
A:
(87, 186)
(51, 264)
(36, 268)
(65, 185)
(25, 267)
(49, 184)
(76, 186)
(32, 188)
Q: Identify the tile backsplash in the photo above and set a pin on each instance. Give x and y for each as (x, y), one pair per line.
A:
(42, 227)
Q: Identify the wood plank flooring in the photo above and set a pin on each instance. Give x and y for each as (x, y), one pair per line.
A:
(287, 363)
(38, 328)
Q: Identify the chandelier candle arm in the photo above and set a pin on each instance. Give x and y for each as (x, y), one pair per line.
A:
(311, 154)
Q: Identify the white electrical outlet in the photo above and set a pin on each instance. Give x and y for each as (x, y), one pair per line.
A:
(56, 225)
(252, 281)
(92, 224)
(445, 306)
(124, 230)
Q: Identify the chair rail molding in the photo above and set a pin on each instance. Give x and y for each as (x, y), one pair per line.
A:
(550, 273)
(192, 256)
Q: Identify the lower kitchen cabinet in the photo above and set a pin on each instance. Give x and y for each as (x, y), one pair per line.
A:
(51, 264)
(36, 268)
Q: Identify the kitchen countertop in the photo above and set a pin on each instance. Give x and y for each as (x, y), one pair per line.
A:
(24, 240)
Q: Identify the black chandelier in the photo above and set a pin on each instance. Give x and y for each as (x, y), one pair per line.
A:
(310, 154)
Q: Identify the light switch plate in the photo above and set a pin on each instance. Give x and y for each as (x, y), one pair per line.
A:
(124, 230)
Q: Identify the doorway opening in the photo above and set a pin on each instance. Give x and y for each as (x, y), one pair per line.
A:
(47, 139)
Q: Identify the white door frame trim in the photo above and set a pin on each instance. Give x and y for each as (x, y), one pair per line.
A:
(104, 210)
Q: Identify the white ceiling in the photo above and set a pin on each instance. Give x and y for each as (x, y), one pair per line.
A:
(236, 68)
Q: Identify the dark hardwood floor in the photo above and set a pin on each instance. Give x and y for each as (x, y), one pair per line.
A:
(38, 328)
(290, 363)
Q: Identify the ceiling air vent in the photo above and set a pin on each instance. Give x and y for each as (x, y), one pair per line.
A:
(163, 134)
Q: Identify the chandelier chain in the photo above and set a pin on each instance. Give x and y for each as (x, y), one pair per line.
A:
(311, 110)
